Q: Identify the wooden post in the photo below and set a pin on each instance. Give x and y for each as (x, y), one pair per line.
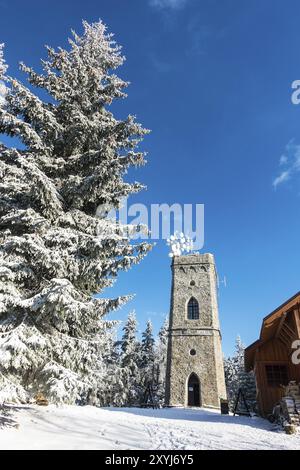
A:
(296, 315)
(242, 396)
(282, 320)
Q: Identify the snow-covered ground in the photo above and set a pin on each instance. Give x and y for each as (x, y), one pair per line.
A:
(88, 427)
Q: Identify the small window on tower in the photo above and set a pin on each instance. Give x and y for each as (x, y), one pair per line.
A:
(192, 283)
(193, 309)
(193, 352)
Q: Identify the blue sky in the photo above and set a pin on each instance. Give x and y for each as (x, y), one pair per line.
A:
(212, 79)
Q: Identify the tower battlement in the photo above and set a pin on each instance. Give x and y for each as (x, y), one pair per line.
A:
(194, 258)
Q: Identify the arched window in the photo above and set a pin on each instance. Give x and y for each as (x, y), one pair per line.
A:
(193, 309)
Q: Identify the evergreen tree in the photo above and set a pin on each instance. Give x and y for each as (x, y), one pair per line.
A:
(147, 348)
(147, 359)
(161, 360)
(116, 390)
(55, 253)
(236, 377)
(103, 392)
(3, 68)
(126, 389)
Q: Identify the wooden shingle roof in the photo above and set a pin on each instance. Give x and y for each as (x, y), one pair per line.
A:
(270, 327)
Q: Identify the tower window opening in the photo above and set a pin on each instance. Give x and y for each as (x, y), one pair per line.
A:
(193, 309)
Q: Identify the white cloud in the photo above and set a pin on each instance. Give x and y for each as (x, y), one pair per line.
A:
(284, 176)
(283, 160)
(172, 4)
(156, 314)
(290, 161)
(161, 66)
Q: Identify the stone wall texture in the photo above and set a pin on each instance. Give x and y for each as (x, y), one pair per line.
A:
(194, 276)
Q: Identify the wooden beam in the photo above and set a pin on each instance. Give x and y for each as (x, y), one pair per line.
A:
(296, 317)
(282, 319)
(286, 334)
(286, 327)
(285, 341)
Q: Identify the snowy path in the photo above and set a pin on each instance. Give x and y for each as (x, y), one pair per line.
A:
(87, 427)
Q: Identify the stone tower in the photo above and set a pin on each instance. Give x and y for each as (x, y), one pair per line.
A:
(195, 371)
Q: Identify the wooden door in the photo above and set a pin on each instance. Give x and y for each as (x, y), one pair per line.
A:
(194, 391)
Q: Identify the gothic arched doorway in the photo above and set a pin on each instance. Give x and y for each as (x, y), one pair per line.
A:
(194, 398)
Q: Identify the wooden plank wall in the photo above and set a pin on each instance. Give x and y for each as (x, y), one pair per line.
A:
(272, 352)
(269, 396)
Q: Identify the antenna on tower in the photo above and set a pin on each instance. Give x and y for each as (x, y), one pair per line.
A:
(222, 281)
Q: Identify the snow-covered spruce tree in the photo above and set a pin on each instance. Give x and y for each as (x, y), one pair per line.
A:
(161, 349)
(231, 380)
(3, 68)
(236, 377)
(127, 387)
(111, 386)
(147, 359)
(55, 254)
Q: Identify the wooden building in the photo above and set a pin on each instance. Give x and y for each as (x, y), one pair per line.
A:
(270, 357)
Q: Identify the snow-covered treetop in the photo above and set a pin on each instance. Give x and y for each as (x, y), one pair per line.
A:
(3, 66)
